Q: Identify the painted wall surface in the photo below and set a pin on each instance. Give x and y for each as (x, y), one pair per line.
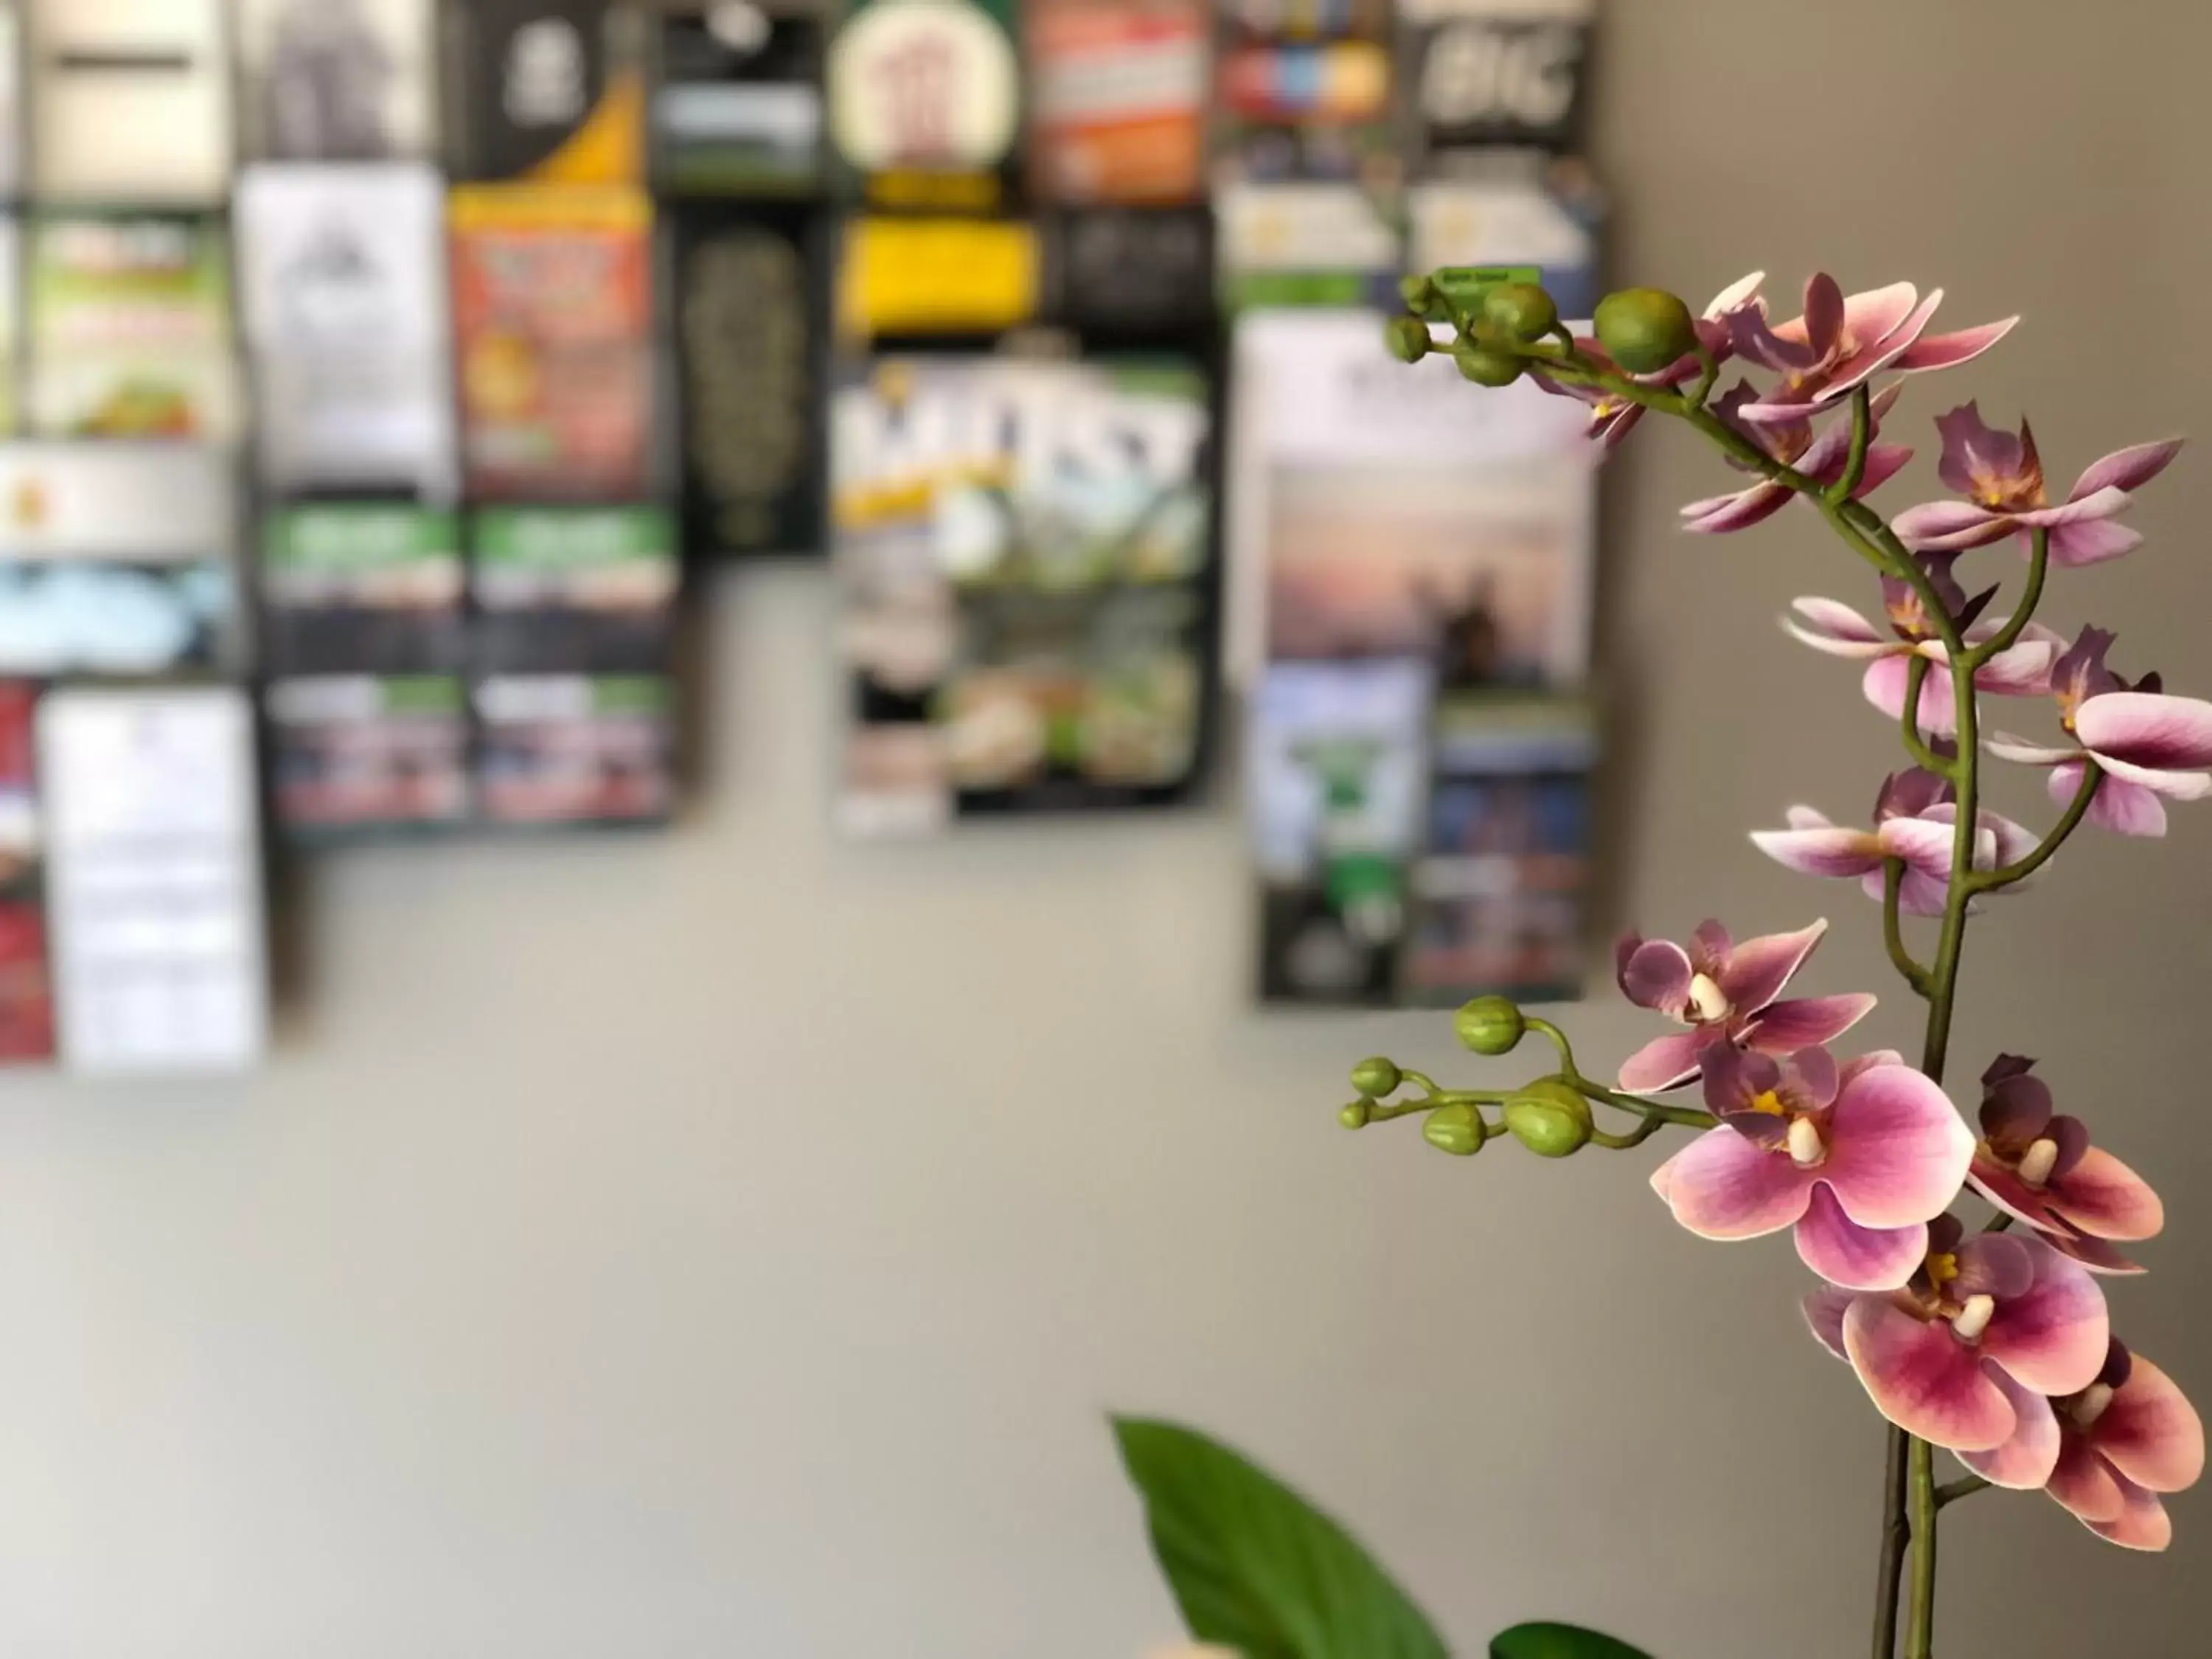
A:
(728, 1244)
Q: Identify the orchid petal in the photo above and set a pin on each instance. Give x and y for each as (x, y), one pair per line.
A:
(2084, 1483)
(1935, 521)
(2104, 1198)
(2098, 504)
(1824, 1310)
(1783, 1028)
(1664, 1063)
(2128, 469)
(2076, 546)
(1897, 1148)
(2143, 1524)
(1724, 1186)
(2055, 1337)
(1923, 1379)
(1757, 970)
(1949, 351)
(1925, 845)
(1656, 975)
(1867, 1062)
(2124, 808)
(2006, 746)
(1721, 514)
(2150, 1432)
(1824, 852)
(2147, 729)
(1857, 1258)
(1828, 621)
(2023, 1462)
(2022, 670)
(1885, 683)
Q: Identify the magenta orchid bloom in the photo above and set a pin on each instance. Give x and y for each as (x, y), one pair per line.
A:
(2001, 476)
(1914, 820)
(1723, 991)
(1824, 457)
(1857, 1163)
(2147, 744)
(1841, 343)
(1939, 1356)
(1613, 416)
(2023, 669)
(2106, 1454)
(2038, 1166)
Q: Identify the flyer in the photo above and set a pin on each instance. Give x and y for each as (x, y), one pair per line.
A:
(737, 107)
(1303, 94)
(114, 559)
(354, 753)
(1118, 91)
(925, 102)
(750, 321)
(362, 586)
(576, 749)
(341, 274)
(1024, 552)
(336, 80)
(26, 1001)
(133, 100)
(578, 590)
(1483, 74)
(553, 324)
(11, 101)
(154, 878)
(129, 332)
(547, 92)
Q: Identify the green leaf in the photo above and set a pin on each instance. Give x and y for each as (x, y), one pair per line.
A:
(1559, 1642)
(1256, 1568)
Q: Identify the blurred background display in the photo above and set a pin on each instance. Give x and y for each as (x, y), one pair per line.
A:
(389, 361)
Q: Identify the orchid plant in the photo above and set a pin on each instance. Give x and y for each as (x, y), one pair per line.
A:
(1962, 1244)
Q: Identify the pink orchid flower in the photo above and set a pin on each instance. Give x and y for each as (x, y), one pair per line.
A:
(1823, 458)
(1613, 416)
(2107, 1453)
(1857, 1163)
(1914, 816)
(2021, 670)
(1939, 1357)
(2038, 1166)
(2001, 476)
(1840, 343)
(2147, 744)
(1725, 991)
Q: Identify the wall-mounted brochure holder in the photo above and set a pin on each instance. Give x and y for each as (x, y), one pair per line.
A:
(130, 101)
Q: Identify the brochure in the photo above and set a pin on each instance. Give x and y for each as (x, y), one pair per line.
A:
(546, 92)
(1024, 551)
(363, 752)
(132, 100)
(738, 110)
(336, 80)
(554, 332)
(26, 998)
(569, 749)
(925, 101)
(1118, 90)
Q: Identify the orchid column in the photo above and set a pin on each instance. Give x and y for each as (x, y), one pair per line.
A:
(1993, 1345)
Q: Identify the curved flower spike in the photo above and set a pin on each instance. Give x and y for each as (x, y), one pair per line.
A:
(2001, 476)
(2107, 1453)
(1822, 459)
(1841, 343)
(2148, 743)
(1723, 991)
(1937, 1357)
(1613, 417)
(2038, 1166)
(1857, 1163)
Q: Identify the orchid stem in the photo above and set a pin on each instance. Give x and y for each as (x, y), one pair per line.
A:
(2077, 809)
(1862, 439)
(1892, 927)
(2039, 566)
(1917, 668)
(1896, 1532)
(1965, 1486)
(1654, 1111)
(1920, 1634)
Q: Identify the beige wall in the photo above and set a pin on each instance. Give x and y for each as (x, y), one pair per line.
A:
(727, 1244)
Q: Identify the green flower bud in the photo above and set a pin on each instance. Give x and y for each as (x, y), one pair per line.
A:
(1357, 1115)
(1550, 1118)
(1407, 338)
(1645, 330)
(1375, 1078)
(1485, 366)
(1521, 311)
(1490, 1025)
(1418, 293)
(1454, 1129)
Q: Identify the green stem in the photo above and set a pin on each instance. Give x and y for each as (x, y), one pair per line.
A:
(1917, 668)
(2039, 566)
(1965, 1486)
(1657, 1111)
(1861, 441)
(1920, 1633)
(1896, 1533)
(2076, 810)
(1892, 927)
(1636, 1137)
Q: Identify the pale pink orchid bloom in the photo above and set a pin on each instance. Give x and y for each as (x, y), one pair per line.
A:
(2147, 744)
(2038, 1166)
(1842, 342)
(1822, 458)
(1613, 416)
(1915, 820)
(2001, 476)
(1724, 992)
(2106, 1454)
(1970, 1351)
(1857, 1162)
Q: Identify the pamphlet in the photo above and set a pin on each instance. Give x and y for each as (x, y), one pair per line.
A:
(132, 100)
(336, 80)
(737, 109)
